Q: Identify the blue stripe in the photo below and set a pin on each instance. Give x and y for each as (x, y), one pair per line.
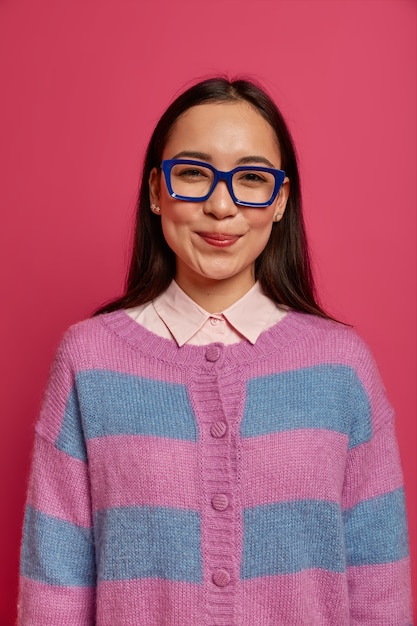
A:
(109, 403)
(121, 404)
(70, 438)
(149, 542)
(326, 396)
(288, 537)
(376, 530)
(57, 552)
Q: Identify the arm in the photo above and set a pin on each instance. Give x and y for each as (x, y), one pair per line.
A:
(57, 576)
(374, 513)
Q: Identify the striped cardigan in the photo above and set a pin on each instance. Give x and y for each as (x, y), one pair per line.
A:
(241, 485)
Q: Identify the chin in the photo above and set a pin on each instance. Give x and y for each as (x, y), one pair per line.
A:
(219, 275)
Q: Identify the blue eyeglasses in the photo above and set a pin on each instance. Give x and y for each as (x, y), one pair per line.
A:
(248, 185)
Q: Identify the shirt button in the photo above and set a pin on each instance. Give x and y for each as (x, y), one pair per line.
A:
(221, 578)
(220, 502)
(218, 429)
(214, 321)
(212, 353)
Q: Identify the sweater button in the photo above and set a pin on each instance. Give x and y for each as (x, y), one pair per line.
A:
(212, 353)
(218, 429)
(220, 502)
(221, 578)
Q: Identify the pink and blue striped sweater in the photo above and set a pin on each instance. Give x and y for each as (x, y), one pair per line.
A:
(241, 485)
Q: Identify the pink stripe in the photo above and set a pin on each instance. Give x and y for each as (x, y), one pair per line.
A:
(52, 606)
(319, 347)
(366, 472)
(380, 594)
(293, 361)
(137, 602)
(309, 598)
(136, 470)
(110, 348)
(59, 484)
(300, 464)
(110, 351)
(128, 364)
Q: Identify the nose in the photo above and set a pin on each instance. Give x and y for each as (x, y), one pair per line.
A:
(220, 204)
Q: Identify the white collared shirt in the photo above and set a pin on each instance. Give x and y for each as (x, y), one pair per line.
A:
(174, 315)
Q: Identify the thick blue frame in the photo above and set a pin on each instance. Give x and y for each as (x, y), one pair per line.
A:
(168, 164)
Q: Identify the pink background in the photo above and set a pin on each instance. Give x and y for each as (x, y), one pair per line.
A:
(83, 83)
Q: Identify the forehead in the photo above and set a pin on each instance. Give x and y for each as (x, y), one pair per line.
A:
(220, 128)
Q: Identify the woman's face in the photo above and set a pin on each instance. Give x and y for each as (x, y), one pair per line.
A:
(217, 240)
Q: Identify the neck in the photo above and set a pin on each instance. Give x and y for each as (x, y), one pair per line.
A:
(215, 296)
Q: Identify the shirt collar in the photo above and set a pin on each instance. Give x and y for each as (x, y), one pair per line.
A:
(249, 316)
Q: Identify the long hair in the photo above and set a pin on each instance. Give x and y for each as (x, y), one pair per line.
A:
(283, 268)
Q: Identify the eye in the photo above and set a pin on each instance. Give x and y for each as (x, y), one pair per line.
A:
(251, 178)
(191, 173)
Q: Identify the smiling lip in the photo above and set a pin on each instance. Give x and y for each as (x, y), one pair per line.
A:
(218, 239)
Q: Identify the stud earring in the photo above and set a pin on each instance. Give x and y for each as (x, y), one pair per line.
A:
(276, 216)
(156, 209)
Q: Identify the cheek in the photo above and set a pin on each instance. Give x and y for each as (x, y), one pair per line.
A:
(261, 221)
(177, 212)
(176, 220)
(170, 229)
(261, 231)
(172, 217)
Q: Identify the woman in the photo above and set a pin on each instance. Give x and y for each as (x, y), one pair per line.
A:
(213, 449)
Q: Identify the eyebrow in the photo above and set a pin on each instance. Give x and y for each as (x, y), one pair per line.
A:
(203, 156)
(190, 154)
(255, 159)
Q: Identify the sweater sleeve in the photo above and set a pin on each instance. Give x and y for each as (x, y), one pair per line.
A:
(57, 571)
(374, 512)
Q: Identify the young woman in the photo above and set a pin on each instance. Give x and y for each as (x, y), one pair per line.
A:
(212, 448)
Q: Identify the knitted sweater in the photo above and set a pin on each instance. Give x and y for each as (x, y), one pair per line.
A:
(241, 485)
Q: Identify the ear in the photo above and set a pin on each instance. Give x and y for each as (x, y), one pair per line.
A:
(282, 198)
(155, 186)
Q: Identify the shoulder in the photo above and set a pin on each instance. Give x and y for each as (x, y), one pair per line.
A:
(92, 336)
(112, 340)
(331, 335)
(87, 331)
(332, 343)
(327, 341)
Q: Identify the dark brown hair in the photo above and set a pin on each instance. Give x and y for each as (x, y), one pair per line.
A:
(283, 268)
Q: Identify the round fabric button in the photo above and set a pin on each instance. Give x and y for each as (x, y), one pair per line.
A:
(214, 321)
(221, 578)
(218, 429)
(212, 353)
(220, 502)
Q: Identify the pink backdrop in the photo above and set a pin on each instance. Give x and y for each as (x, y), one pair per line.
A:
(82, 85)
